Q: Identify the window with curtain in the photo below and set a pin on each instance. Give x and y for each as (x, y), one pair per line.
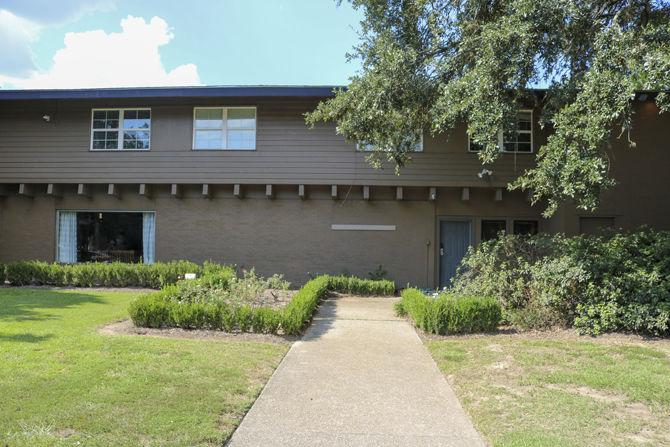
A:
(224, 128)
(67, 237)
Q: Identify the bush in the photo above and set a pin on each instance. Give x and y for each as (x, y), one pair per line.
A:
(205, 303)
(610, 282)
(115, 274)
(358, 286)
(449, 313)
(300, 309)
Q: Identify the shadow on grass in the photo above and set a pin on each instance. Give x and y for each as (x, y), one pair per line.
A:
(33, 304)
(24, 338)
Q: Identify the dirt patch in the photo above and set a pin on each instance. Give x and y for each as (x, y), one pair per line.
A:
(126, 327)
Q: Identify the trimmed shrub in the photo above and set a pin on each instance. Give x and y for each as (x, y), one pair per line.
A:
(358, 286)
(115, 274)
(198, 304)
(300, 309)
(449, 313)
(609, 282)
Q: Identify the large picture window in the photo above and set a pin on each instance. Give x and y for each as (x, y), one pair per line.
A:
(221, 128)
(120, 129)
(518, 141)
(94, 236)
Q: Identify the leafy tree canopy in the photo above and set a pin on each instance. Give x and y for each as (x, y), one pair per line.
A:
(430, 64)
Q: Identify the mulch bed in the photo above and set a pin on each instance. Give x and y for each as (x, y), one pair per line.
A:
(126, 327)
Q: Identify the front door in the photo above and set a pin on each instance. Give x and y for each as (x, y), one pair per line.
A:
(455, 236)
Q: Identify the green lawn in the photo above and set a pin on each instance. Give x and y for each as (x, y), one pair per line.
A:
(527, 391)
(62, 383)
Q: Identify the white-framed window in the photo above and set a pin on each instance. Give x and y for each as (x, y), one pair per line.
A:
(517, 141)
(120, 129)
(224, 128)
(367, 147)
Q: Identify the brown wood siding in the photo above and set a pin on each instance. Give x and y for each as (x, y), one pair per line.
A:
(287, 152)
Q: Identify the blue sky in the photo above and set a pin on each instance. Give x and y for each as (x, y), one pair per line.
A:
(108, 43)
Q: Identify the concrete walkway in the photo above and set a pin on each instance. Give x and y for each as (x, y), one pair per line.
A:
(359, 377)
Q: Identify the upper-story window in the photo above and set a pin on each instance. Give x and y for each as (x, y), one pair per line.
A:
(519, 140)
(232, 128)
(367, 147)
(121, 129)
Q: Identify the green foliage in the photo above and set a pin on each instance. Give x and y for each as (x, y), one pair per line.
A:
(613, 282)
(358, 286)
(205, 303)
(115, 274)
(434, 64)
(449, 313)
(298, 312)
(399, 309)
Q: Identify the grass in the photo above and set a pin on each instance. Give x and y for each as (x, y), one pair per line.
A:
(527, 391)
(62, 383)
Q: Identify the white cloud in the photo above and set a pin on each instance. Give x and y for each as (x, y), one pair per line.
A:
(95, 58)
(21, 22)
(16, 34)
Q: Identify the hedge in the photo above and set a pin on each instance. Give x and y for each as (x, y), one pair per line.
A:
(358, 286)
(115, 274)
(450, 313)
(163, 309)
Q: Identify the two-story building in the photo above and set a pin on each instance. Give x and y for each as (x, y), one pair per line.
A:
(234, 175)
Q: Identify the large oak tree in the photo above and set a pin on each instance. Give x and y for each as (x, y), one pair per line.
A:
(431, 64)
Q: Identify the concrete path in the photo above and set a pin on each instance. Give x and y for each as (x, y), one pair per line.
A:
(359, 377)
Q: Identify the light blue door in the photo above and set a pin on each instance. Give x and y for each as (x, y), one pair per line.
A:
(454, 243)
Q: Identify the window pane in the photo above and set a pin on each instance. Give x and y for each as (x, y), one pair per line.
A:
(523, 147)
(132, 120)
(509, 147)
(525, 227)
(99, 115)
(241, 139)
(136, 124)
(111, 144)
(208, 139)
(98, 144)
(99, 124)
(129, 144)
(491, 229)
(144, 114)
(112, 114)
(99, 135)
(208, 118)
(112, 124)
(241, 119)
(524, 122)
(112, 136)
(142, 144)
(523, 137)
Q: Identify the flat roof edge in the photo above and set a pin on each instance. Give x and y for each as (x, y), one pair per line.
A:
(171, 92)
